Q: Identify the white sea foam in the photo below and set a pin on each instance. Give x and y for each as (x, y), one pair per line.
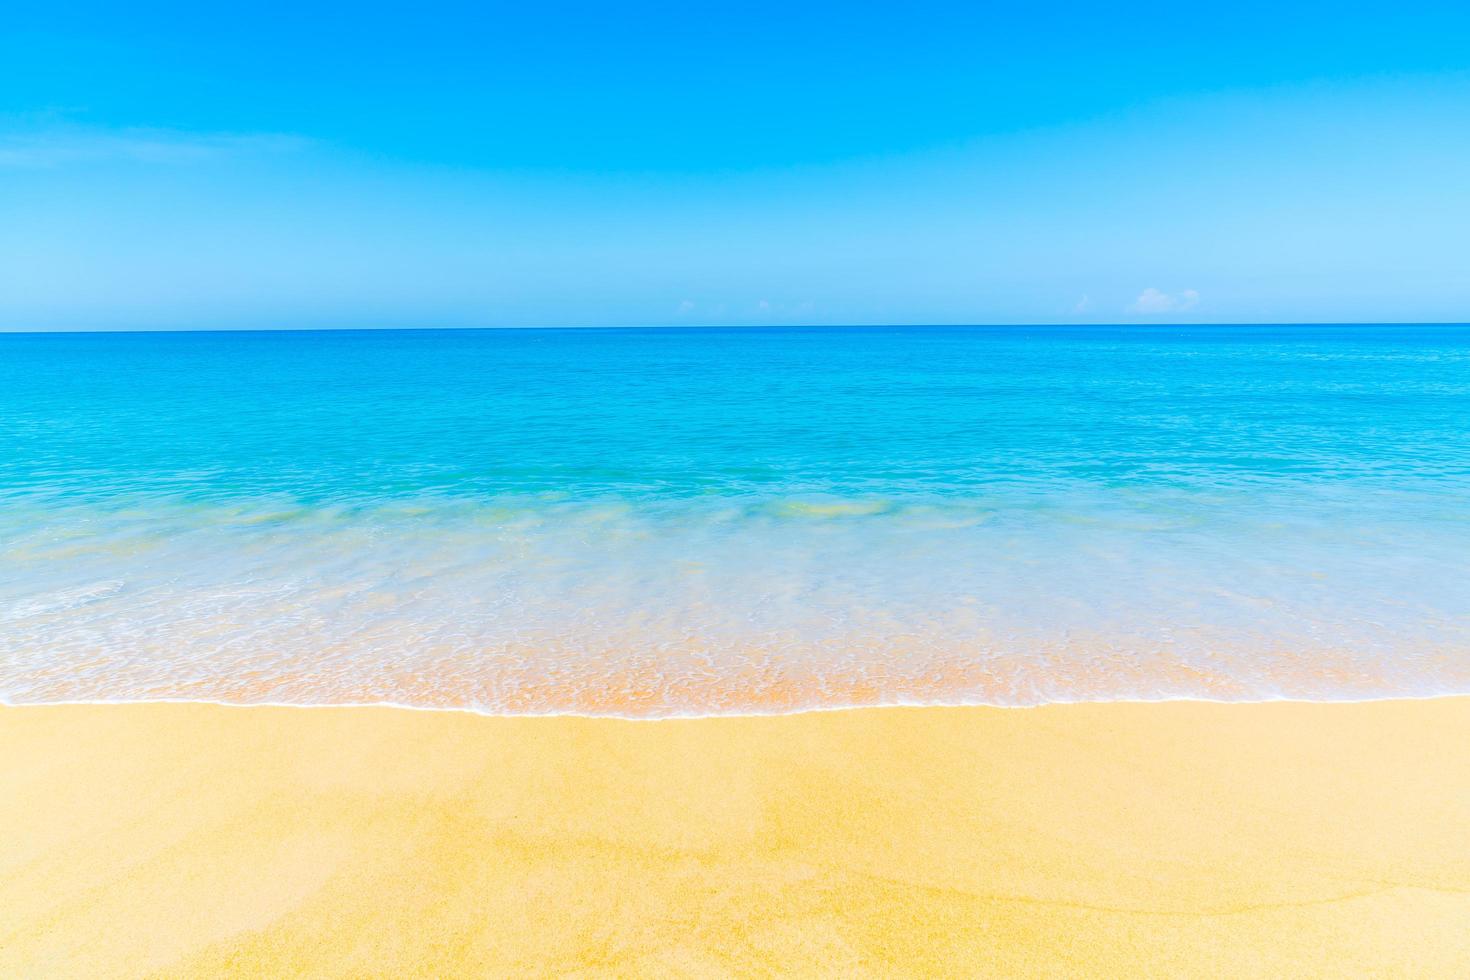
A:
(60, 600)
(545, 607)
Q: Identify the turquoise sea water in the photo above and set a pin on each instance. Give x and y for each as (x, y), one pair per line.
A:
(659, 522)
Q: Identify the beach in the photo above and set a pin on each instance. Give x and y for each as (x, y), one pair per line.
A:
(734, 490)
(1182, 838)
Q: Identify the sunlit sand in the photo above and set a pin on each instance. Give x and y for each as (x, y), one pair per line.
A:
(1110, 840)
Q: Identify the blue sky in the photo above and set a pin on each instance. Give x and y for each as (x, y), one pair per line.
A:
(179, 165)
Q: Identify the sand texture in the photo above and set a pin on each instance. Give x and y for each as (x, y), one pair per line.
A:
(1181, 839)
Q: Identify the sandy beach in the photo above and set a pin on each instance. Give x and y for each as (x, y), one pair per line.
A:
(1116, 839)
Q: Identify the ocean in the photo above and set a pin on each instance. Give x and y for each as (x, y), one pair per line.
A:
(654, 522)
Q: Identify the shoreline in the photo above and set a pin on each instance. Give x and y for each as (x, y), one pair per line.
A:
(185, 839)
(783, 713)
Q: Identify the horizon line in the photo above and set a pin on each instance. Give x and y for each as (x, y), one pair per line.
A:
(1151, 325)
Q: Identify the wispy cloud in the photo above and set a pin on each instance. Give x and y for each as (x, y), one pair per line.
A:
(69, 145)
(1154, 301)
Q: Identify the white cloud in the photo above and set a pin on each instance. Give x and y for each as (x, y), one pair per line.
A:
(1084, 305)
(686, 306)
(764, 306)
(59, 146)
(1155, 301)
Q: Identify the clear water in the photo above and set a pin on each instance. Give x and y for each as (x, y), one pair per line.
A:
(654, 522)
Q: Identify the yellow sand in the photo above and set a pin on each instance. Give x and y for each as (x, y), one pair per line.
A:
(1113, 840)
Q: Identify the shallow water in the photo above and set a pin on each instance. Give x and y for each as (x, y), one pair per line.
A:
(692, 521)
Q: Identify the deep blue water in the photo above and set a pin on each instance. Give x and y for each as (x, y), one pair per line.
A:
(656, 521)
